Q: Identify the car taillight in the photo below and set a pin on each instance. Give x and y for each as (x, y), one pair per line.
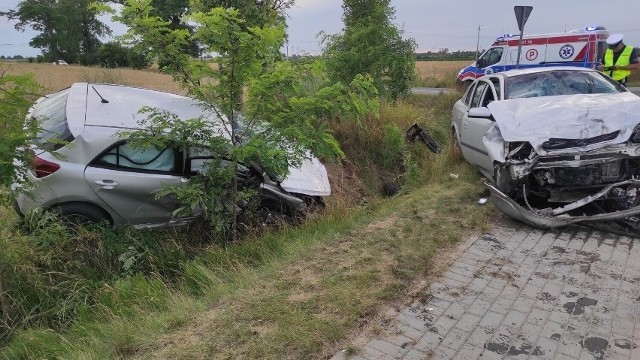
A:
(43, 167)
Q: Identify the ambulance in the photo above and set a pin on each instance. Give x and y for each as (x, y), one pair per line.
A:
(581, 47)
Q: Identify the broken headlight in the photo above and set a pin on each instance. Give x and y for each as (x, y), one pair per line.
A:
(519, 150)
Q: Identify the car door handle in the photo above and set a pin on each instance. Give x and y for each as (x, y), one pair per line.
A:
(107, 184)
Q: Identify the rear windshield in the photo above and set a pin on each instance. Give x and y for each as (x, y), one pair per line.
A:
(52, 114)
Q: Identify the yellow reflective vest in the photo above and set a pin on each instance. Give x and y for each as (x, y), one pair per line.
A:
(623, 60)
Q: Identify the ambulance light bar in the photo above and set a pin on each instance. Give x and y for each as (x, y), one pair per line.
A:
(504, 37)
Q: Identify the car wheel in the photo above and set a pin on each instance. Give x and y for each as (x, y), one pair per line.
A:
(456, 150)
(81, 214)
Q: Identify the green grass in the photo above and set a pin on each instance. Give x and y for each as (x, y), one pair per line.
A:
(290, 293)
(287, 295)
(448, 81)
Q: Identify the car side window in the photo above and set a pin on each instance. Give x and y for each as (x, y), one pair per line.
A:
(496, 85)
(478, 94)
(467, 96)
(488, 97)
(124, 156)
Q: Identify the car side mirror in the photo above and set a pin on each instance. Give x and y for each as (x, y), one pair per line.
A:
(480, 112)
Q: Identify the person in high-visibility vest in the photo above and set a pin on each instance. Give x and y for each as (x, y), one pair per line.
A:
(619, 59)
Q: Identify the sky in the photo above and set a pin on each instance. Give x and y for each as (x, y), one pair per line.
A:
(433, 24)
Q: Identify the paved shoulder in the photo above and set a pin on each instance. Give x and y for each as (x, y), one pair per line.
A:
(518, 292)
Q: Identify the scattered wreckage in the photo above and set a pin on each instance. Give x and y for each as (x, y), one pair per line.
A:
(559, 146)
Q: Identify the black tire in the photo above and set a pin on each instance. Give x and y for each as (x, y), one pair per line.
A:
(75, 214)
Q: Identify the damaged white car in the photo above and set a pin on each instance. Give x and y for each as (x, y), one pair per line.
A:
(560, 145)
(84, 169)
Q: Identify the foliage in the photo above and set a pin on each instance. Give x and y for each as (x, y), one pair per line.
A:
(242, 52)
(255, 13)
(299, 97)
(17, 93)
(113, 55)
(275, 132)
(68, 29)
(50, 274)
(446, 55)
(394, 140)
(372, 45)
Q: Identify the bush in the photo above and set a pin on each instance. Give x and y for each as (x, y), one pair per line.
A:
(113, 55)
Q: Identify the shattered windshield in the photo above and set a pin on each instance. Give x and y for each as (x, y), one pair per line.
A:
(559, 82)
(52, 114)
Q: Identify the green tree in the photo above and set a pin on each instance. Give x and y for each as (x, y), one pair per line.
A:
(69, 29)
(17, 93)
(246, 54)
(372, 44)
(255, 13)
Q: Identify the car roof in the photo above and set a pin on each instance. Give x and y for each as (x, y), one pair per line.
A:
(122, 104)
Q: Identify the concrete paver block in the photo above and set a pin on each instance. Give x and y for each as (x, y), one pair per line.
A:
(522, 293)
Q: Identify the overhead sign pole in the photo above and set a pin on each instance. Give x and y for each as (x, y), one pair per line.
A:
(522, 15)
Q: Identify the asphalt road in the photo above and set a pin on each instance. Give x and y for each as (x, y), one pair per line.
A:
(437, 91)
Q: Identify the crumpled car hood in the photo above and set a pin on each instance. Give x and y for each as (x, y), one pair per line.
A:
(537, 120)
(310, 178)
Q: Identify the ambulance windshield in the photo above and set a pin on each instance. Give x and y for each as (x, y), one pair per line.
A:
(490, 57)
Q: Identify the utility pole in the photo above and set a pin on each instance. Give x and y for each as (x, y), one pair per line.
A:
(478, 44)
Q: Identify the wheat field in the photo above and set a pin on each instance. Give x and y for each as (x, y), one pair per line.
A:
(440, 69)
(54, 77)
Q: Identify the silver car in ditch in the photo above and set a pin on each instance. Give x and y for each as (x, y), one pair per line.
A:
(559, 145)
(93, 174)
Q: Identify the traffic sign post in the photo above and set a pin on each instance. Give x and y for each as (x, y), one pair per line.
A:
(522, 15)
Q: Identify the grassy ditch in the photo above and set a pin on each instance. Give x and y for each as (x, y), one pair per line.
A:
(294, 293)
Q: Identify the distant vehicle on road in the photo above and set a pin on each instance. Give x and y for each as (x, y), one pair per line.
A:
(60, 62)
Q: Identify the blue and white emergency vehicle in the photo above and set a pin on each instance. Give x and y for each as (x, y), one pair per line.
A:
(582, 47)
